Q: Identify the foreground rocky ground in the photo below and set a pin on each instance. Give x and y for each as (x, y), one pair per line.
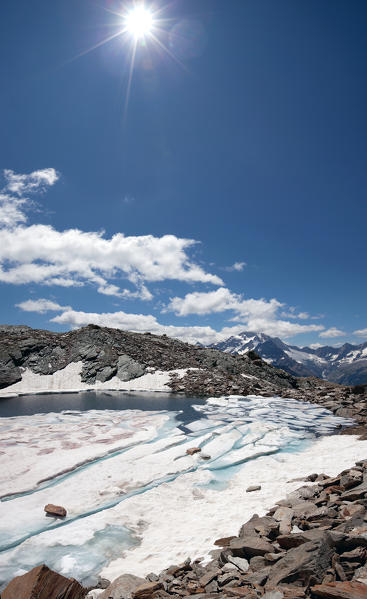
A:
(311, 544)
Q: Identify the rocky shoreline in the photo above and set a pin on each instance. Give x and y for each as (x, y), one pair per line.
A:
(106, 354)
(312, 544)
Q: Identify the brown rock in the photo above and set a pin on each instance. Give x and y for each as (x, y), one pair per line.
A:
(43, 583)
(146, 590)
(193, 450)
(251, 546)
(123, 586)
(224, 541)
(55, 510)
(305, 564)
(341, 590)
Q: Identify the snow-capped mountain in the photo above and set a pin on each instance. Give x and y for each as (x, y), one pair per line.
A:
(346, 364)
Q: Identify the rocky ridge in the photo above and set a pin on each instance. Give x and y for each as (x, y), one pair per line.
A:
(106, 353)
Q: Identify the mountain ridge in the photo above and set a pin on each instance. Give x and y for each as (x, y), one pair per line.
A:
(346, 365)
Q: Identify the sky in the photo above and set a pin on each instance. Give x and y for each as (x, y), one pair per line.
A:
(204, 179)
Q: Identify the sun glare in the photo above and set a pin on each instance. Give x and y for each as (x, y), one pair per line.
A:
(139, 22)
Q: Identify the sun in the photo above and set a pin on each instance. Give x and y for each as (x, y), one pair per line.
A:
(139, 22)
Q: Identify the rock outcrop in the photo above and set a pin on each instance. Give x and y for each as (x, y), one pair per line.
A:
(43, 583)
(106, 353)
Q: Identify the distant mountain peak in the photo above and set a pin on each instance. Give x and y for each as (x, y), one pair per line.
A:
(345, 365)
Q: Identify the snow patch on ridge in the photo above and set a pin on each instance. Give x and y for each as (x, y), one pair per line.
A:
(69, 379)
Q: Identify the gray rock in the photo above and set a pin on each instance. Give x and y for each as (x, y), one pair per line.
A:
(253, 488)
(240, 563)
(123, 586)
(128, 369)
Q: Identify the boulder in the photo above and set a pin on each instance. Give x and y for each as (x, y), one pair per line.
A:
(250, 546)
(55, 510)
(341, 590)
(43, 583)
(252, 488)
(306, 564)
(123, 586)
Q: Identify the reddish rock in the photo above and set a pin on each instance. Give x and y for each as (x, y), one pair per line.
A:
(55, 510)
(193, 450)
(146, 590)
(43, 583)
(341, 590)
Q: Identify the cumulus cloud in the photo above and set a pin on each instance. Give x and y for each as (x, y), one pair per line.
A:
(142, 323)
(360, 332)
(332, 332)
(43, 255)
(258, 315)
(13, 202)
(41, 306)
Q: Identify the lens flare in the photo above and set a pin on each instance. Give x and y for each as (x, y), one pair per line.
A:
(139, 22)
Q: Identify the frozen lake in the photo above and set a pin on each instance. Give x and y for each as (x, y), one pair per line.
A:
(136, 501)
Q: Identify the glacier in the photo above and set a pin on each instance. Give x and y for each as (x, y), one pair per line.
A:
(136, 501)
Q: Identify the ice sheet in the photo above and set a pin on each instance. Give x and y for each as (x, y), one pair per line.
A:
(136, 500)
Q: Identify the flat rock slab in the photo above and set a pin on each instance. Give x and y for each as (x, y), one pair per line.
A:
(146, 590)
(251, 546)
(341, 590)
(43, 583)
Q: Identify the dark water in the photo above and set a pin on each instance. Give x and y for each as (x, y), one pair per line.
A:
(27, 405)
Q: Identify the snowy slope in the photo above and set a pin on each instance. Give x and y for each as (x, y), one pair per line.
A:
(346, 364)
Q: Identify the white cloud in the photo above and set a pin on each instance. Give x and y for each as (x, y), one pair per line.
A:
(41, 254)
(220, 300)
(360, 332)
(142, 323)
(237, 266)
(258, 315)
(12, 201)
(332, 332)
(41, 306)
(38, 181)
(314, 345)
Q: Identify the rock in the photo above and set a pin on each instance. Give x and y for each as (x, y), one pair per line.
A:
(127, 368)
(265, 526)
(253, 488)
(55, 510)
(240, 563)
(273, 595)
(43, 583)
(251, 546)
(193, 450)
(284, 516)
(146, 590)
(341, 590)
(208, 577)
(297, 539)
(224, 541)
(307, 563)
(123, 586)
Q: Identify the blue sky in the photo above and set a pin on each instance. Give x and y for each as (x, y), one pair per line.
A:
(244, 131)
